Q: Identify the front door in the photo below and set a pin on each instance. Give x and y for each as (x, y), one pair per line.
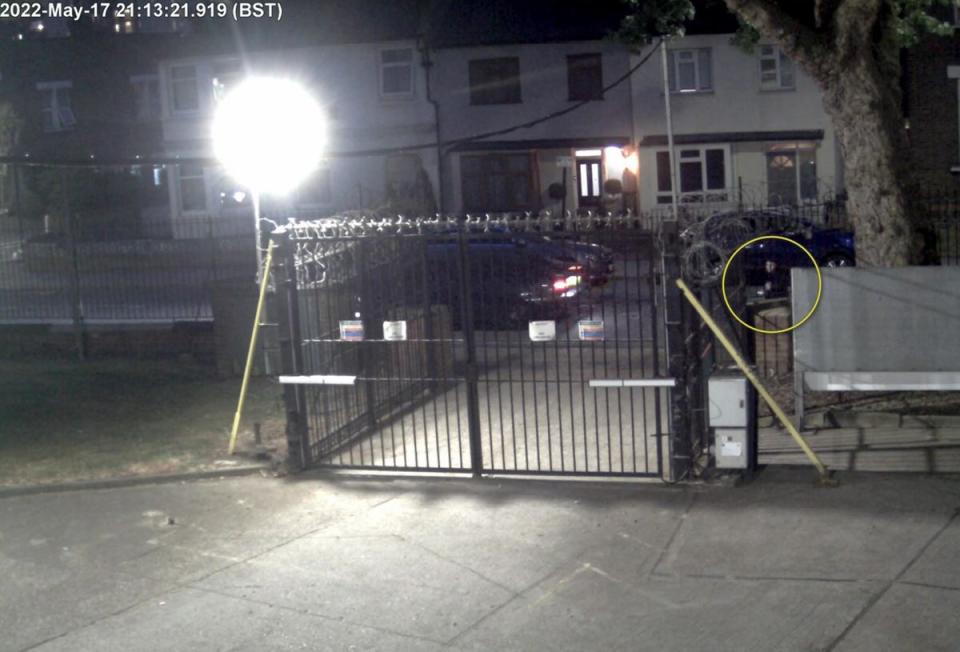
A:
(588, 182)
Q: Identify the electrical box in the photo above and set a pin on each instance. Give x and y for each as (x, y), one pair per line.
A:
(731, 415)
(732, 448)
(727, 397)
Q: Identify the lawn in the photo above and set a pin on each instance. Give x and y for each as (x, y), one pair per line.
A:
(65, 420)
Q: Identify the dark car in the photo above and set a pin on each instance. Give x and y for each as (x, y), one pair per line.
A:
(592, 261)
(511, 281)
(766, 264)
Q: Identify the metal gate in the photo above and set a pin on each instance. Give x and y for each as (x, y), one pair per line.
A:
(495, 346)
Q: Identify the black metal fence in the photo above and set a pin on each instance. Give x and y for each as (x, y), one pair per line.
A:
(517, 346)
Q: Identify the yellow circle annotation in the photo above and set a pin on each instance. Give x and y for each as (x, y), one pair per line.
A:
(726, 301)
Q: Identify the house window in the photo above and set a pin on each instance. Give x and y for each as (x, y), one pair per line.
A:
(495, 81)
(226, 74)
(701, 174)
(496, 182)
(791, 174)
(690, 71)
(193, 191)
(776, 68)
(56, 106)
(183, 88)
(146, 97)
(396, 73)
(585, 77)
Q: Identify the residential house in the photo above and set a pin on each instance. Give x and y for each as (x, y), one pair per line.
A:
(748, 127)
(513, 65)
(372, 85)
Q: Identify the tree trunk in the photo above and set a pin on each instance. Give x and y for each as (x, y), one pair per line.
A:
(853, 54)
(869, 132)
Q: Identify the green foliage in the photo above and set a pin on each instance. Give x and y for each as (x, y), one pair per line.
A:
(649, 19)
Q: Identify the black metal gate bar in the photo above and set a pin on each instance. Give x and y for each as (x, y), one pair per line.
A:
(468, 388)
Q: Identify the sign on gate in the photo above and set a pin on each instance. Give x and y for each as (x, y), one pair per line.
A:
(591, 330)
(395, 331)
(543, 331)
(351, 330)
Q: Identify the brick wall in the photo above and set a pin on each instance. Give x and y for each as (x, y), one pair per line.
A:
(931, 108)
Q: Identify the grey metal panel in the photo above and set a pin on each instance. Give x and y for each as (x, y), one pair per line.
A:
(868, 381)
(727, 401)
(902, 319)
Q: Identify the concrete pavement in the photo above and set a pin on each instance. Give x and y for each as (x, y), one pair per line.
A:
(325, 563)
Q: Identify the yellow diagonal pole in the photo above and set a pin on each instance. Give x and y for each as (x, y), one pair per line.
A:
(752, 377)
(248, 368)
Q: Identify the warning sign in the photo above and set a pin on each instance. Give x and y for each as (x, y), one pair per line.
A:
(395, 331)
(543, 331)
(591, 330)
(351, 330)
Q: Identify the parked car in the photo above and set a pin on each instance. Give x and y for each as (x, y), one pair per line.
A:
(511, 281)
(767, 263)
(594, 262)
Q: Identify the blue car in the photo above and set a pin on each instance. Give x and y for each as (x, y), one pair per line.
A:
(766, 264)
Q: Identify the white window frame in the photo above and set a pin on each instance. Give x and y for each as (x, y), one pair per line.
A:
(777, 57)
(675, 55)
(141, 90)
(396, 64)
(173, 82)
(231, 78)
(180, 178)
(707, 195)
(61, 117)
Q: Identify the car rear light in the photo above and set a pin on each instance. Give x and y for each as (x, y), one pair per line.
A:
(575, 268)
(560, 285)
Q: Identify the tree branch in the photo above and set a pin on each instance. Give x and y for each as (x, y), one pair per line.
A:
(799, 40)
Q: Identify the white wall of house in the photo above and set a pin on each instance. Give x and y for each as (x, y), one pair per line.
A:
(756, 118)
(543, 88)
(366, 109)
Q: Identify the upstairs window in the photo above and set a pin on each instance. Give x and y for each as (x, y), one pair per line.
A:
(495, 81)
(184, 95)
(146, 97)
(396, 73)
(776, 69)
(56, 106)
(690, 71)
(585, 77)
(226, 74)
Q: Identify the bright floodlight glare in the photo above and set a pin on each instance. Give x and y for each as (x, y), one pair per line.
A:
(269, 134)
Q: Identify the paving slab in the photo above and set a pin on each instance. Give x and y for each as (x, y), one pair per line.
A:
(908, 618)
(939, 565)
(379, 581)
(170, 623)
(859, 530)
(586, 607)
(322, 562)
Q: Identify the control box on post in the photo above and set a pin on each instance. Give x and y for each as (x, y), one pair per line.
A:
(732, 416)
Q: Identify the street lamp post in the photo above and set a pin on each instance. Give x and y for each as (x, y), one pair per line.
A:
(269, 134)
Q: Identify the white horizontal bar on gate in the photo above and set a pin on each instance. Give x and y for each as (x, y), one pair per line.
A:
(634, 382)
(318, 380)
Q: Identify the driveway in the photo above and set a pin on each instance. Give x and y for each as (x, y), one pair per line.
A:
(345, 563)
